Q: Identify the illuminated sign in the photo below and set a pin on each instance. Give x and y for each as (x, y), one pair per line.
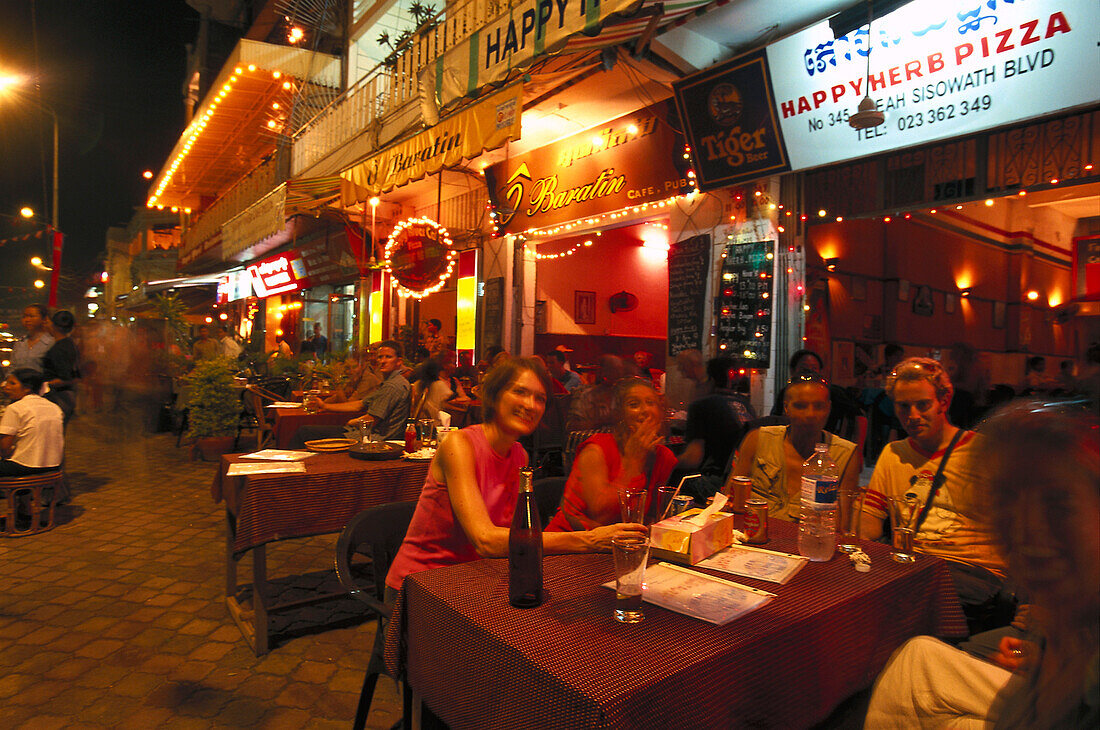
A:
(632, 160)
(234, 285)
(938, 70)
(280, 274)
(466, 306)
(421, 256)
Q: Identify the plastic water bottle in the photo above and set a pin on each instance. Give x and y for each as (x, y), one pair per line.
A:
(817, 531)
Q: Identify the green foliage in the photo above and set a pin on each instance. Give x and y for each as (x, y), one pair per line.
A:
(214, 402)
(170, 308)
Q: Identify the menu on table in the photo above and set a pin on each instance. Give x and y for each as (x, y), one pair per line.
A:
(756, 563)
(278, 455)
(241, 469)
(699, 595)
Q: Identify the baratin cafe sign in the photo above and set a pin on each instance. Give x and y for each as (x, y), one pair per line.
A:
(632, 160)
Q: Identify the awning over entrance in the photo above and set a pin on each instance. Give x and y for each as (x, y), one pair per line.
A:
(482, 126)
(517, 37)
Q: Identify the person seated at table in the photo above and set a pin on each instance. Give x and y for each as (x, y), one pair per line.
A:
(429, 390)
(567, 379)
(387, 408)
(955, 526)
(32, 433)
(631, 458)
(591, 404)
(362, 381)
(465, 508)
(773, 455)
(1041, 487)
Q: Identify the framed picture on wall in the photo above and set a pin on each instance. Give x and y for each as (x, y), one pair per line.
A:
(584, 307)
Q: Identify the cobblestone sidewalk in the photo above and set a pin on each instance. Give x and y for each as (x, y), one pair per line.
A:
(116, 618)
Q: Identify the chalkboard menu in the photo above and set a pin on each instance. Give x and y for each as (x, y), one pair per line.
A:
(744, 304)
(688, 274)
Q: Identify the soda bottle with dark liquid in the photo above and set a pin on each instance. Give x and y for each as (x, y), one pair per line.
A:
(525, 547)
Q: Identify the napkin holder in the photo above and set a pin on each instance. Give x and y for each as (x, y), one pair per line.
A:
(687, 543)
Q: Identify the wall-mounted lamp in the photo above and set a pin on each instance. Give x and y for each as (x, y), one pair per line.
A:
(1032, 295)
(830, 264)
(964, 292)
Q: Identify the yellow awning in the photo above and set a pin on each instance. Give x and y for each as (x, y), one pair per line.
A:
(483, 126)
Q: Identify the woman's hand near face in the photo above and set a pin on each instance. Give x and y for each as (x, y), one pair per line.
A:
(642, 440)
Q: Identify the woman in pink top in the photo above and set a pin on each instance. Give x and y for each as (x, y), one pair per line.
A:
(466, 505)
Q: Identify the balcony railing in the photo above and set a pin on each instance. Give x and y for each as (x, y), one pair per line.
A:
(388, 88)
(264, 178)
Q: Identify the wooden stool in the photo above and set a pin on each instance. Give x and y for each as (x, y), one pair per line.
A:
(30, 487)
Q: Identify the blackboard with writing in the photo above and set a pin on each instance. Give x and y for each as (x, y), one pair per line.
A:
(688, 274)
(744, 303)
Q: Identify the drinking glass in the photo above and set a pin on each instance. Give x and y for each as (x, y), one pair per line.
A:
(903, 515)
(310, 401)
(424, 428)
(851, 508)
(630, 555)
(633, 504)
(664, 499)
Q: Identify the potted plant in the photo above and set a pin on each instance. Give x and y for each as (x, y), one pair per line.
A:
(214, 407)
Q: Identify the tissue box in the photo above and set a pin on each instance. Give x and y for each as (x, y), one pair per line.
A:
(683, 542)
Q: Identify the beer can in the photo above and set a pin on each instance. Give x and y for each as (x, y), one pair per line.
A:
(681, 503)
(740, 491)
(756, 522)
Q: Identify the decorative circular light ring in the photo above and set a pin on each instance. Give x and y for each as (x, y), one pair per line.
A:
(444, 240)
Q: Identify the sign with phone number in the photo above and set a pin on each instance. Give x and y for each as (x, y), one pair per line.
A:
(937, 70)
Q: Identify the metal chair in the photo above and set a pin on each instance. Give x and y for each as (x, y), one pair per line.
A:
(376, 533)
(573, 440)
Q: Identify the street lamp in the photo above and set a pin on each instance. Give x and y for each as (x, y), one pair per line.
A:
(27, 212)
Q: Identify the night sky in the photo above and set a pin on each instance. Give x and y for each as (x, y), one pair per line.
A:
(113, 72)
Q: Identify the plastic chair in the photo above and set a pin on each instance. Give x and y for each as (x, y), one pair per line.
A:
(32, 490)
(376, 533)
(548, 493)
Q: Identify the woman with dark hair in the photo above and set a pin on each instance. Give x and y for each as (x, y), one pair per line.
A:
(29, 351)
(429, 392)
(32, 435)
(632, 458)
(1042, 489)
(60, 364)
(469, 495)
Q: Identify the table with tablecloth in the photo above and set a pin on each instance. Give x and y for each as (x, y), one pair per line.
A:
(479, 663)
(263, 508)
(289, 420)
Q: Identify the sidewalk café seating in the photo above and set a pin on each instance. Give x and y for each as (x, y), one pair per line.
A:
(253, 417)
(38, 494)
(376, 533)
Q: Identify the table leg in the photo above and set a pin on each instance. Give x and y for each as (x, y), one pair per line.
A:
(259, 599)
(230, 561)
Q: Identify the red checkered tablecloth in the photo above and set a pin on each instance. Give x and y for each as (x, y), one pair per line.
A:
(334, 488)
(479, 663)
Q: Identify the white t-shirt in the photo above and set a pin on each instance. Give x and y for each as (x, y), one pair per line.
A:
(37, 425)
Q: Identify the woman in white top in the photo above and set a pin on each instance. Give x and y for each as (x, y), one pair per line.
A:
(32, 435)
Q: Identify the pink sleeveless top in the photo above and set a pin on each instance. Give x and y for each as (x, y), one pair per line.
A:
(435, 537)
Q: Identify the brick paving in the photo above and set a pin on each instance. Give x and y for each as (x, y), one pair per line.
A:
(116, 618)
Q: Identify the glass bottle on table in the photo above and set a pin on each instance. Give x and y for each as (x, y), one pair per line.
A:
(411, 444)
(525, 547)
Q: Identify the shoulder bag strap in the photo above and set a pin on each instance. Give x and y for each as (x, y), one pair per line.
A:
(937, 481)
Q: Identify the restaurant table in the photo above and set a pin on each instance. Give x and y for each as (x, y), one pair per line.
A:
(476, 662)
(289, 420)
(264, 508)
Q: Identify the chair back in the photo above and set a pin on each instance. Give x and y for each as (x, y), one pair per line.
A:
(573, 440)
(376, 533)
(548, 493)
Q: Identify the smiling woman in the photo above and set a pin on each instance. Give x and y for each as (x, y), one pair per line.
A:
(470, 492)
